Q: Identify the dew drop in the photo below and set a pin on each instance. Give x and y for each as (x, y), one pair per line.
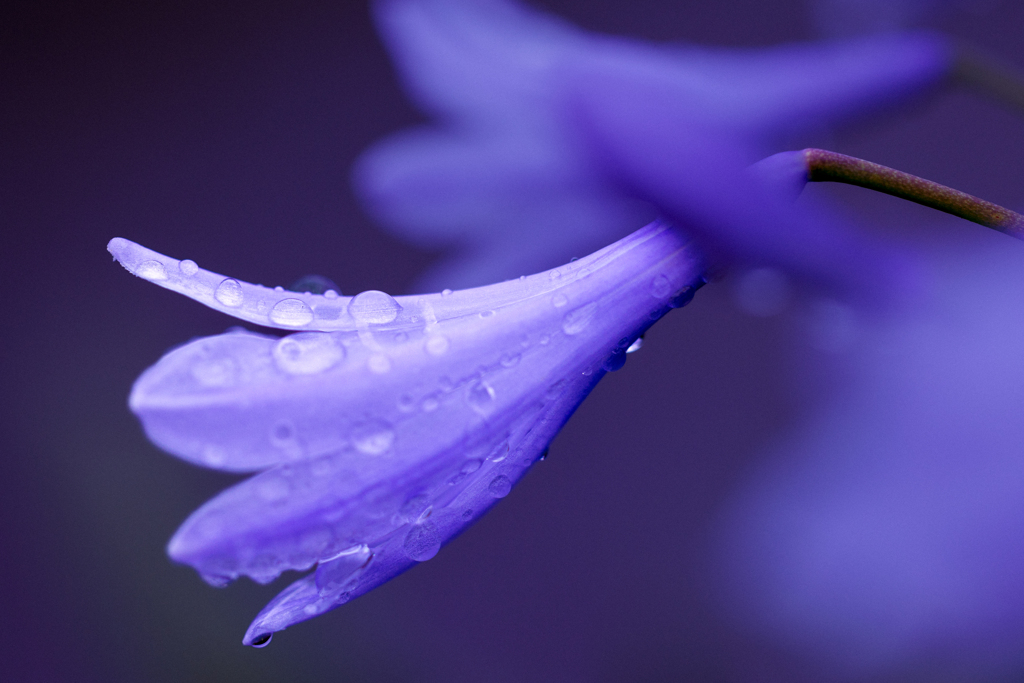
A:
(229, 293)
(216, 580)
(379, 364)
(374, 307)
(188, 267)
(499, 453)
(636, 345)
(544, 339)
(446, 292)
(555, 274)
(151, 270)
(559, 300)
(262, 640)
(615, 361)
(430, 404)
(510, 360)
(437, 345)
(480, 397)
(660, 287)
(577, 320)
(471, 466)
(307, 353)
(422, 542)
(291, 313)
(486, 314)
(331, 294)
(373, 437)
(500, 486)
(682, 297)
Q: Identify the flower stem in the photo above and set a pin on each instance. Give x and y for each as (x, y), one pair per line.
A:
(823, 166)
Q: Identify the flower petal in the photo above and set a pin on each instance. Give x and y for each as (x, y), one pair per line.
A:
(420, 449)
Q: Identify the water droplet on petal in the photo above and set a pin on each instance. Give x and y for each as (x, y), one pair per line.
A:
(559, 300)
(331, 294)
(307, 353)
(262, 640)
(373, 437)
(660, 287)
(437, 345)
(486, 314)
(471, 466)
(500, 486)
(291, 312)
(555, 274)
(188, 267)
(615, 361)
(430, 404)
(544, 339)
(446, 292)
(510, 360)
(480, 397)
(422, 542)
(636, 345)
(579, 319)
(499, 453)
(374, 307)
(216, 580)
(151, 270)
(229, 293)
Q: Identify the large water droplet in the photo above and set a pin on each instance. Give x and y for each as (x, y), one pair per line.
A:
(579, 319)
(262, 640)
(437, 345)
(308, 353)
(660, 287)
(373, 307)
(229, 293)
(373, 437)
(422, 542)
(151, 270)
(188, 267)
(446, 292)
(637, 344)
(291, 312)
(480, 397)
(615, 361)
(559, 300)
(500, 452)
(340, 573)
(500, 486)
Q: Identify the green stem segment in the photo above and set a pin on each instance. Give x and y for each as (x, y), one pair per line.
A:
(823, 166)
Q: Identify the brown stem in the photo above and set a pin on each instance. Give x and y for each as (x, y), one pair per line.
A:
(823, 165)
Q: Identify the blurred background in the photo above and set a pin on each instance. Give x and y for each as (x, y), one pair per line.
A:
(224, 132)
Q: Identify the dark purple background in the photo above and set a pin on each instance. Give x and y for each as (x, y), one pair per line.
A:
(224, 132)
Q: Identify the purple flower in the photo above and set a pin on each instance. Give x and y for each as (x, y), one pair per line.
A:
(547, 140)
(388, 424)
(887, 530)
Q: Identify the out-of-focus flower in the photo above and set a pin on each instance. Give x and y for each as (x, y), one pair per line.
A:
(396, 423)
(887, 531)
(545, 137)
(856, 17)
